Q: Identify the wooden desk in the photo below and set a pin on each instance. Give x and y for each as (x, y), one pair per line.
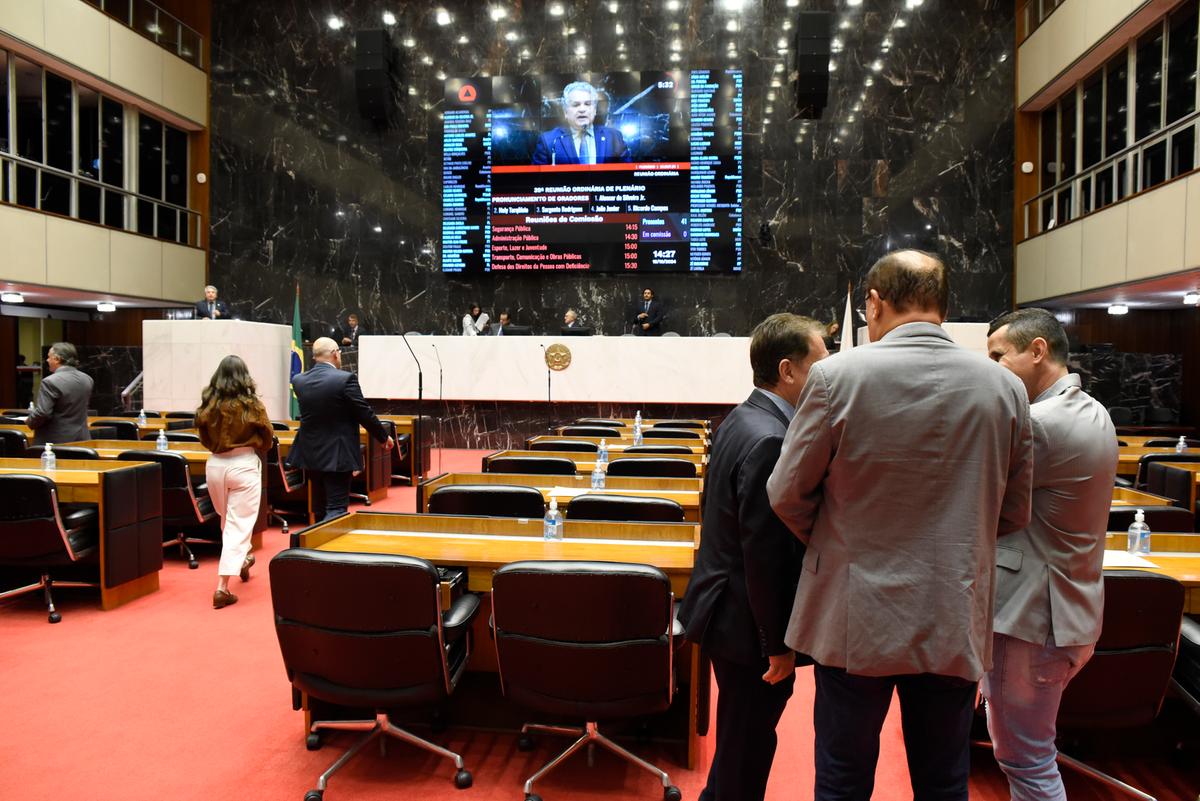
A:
(483, 544)
(1176, 555)
(407, 424)
(1124, 496)
(684, 491)
(1127, 458)
(615, 446)
(153, 424)
(376, 472)
(90, 481)
(584, 462)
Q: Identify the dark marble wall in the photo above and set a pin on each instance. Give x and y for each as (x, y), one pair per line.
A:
(915, 149)
(112, 369)
(1137, 381)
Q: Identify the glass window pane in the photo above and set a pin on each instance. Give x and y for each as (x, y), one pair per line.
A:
(118, 10)
(29, 109)
(56, 194)
(59, 130)
(88, 162)
(167, 223)
(1068, 136)
(112, 143)
(145, 217)
(1183, 151)
(1147, 110)
(88, 202)
(145, 20)
(150, 139)
(27, 186)
(114, 209)
(189, 46)
(1116, 105)
(1181, 63)
(1093, 107)
(176, 189)
(1049, 147)
(1154, 168)
(3, 101)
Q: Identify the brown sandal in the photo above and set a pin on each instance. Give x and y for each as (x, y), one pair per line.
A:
(249, 563)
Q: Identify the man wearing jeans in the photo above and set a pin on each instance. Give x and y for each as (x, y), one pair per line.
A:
(1049, 587)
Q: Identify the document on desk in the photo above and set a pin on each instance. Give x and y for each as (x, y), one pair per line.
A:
(1113, 559)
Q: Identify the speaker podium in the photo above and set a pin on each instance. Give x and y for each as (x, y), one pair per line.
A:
(180, 356)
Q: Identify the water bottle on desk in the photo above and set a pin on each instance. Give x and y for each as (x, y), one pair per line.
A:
(32, 408)
(597, 476)
(602, 453)
(552, 527)
(637, 429)
(49, 460)
(1181, 446)
(141, 418)
(160, 442)
(1139, 535)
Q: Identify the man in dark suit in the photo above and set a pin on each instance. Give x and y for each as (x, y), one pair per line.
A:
(741, 591)
(331, 409)
(210, 308)
(649, 316)
(497, 330)
(579, 141)
(60, 412)
(352, 331)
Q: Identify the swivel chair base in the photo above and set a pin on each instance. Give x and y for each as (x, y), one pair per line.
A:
(587, 737)
(44, 583)
(375, 728)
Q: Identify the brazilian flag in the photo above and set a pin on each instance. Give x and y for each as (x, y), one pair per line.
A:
(297, 353)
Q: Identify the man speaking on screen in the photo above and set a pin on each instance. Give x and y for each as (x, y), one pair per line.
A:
(579, 141)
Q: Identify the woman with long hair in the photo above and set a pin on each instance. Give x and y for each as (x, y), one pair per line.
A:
(234, 425)
(475, 321)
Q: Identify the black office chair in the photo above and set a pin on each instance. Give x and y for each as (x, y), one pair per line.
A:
(123, 429)
(1123, 684)
(666, 467)
(573, 445)
(1158, 518)
(678, 424)
(102, 432)
(580, 331)
(658, 449)
(1170, 443)
(1141, 481)
(671, 433)
(180, 415)
(1171, 482)
(607, 422)
(367, 631)
(180, 436)
(498, 500)
(1121, 415)
(43, 535)
(589, 641)
(277, 426)
(607, 432)
(134, 413)
(1160, 416)
(286, 488)
(187, 513)
(1186, 677)
(12, 443)
(541, 465)
(62, 452)
(627, 508)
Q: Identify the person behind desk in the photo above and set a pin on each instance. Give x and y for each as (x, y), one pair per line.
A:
(60, 411)
(498, 329)
(352, 331)
(649, 317)
(211, 308)
(332, 408)
(571, 319)
(1049, 581)
(741, 590)
(474, 322)
(233, 424)
(579, 141)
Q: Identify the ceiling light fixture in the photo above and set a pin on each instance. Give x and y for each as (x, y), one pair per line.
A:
(106, 306)
(556, 9)
(497, 13)
(335, 23)
(12, 297)
(442, 17)
(389, 18)
(1118, 308)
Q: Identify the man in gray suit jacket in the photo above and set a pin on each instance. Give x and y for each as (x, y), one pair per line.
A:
(1049, 585)
(60, 411)
(905, 460)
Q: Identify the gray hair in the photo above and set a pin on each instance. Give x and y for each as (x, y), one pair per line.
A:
(580, 86)
(66, 353)
(210, 286)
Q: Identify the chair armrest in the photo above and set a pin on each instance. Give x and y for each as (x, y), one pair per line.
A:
(457, 620)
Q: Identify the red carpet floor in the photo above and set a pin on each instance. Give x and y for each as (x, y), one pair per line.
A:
(166, 699)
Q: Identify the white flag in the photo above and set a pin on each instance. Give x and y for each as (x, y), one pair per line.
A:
(847, 326)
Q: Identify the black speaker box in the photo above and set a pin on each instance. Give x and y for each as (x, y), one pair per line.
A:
(812, 43)
(375, 74)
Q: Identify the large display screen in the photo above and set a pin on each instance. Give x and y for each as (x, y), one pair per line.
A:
(603, 172)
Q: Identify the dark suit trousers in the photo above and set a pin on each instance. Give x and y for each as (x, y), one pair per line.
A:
(748, 710)
(337, 491)
(936, 716)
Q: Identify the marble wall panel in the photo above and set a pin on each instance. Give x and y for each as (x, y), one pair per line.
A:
(1137, 381)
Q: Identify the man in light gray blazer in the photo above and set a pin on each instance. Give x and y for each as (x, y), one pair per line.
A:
(60, 411)
(905, 460)
(1049, 585)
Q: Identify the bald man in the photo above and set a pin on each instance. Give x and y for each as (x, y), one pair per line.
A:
(332, 408)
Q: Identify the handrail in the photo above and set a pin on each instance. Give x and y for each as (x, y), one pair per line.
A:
(1126, 183)
(157, 25)
(127, 393)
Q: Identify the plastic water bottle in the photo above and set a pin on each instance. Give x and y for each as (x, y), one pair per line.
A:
(1181, 446)
(160, 442)
(141, 418)
(597, 476)
(1139, 535)
(49, 460)
(552, 527)
(637, 429)
(602, 453)
(32, 408)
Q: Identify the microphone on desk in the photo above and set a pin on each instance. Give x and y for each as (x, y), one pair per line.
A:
(418, 458)
(549, 405)
(441, 416)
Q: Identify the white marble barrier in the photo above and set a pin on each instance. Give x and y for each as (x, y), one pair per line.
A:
(603, 369)
(180, 356)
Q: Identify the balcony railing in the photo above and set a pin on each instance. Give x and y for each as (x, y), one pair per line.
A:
(1155, 159)
(32, 185)
(1033, 13)
(156, 25)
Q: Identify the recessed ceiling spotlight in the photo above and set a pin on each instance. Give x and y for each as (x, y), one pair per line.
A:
(335, 23)
(1192, 298)
(497, 13)
(731, 25)
(556, 9)
(12, 297)
(409, 42)
(511, 36)
(907, 3)
(877, 66)
(442, 17)
(1118, 308)
(899, 23)
(613, 8)
(106, 306)
(389, 18)
(378, 229)
(853, 3)
(732, 5)
(672, 5)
